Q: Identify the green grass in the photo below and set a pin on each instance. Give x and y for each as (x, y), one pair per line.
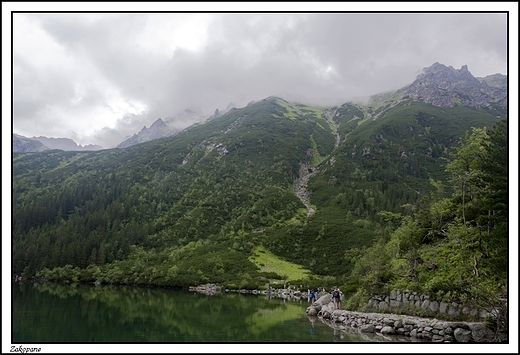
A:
(291, 112)
(269, 262)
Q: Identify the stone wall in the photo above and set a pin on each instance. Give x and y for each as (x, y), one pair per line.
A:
(425, 329)
(413, 301)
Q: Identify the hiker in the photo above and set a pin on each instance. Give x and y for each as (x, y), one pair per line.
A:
(312, 297)
(336, 296)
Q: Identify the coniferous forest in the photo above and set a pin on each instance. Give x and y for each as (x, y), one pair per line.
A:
(404, 196)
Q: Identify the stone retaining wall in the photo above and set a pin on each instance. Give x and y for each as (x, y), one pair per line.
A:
(391, 324)
(411, 300)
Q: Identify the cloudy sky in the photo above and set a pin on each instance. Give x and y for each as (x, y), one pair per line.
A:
(99, 77)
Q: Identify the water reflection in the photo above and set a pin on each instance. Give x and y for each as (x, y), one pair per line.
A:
(79, 313)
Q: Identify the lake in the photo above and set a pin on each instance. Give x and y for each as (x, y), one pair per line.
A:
(57, 313)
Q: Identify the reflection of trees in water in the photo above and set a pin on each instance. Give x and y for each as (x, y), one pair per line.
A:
(171, 313)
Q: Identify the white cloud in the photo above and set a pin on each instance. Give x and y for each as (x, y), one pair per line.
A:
(101, 77)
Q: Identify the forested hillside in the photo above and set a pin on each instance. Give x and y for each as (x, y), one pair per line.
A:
(453, 247)
(369, 197)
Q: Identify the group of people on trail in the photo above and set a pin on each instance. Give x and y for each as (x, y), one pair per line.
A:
(336, 296)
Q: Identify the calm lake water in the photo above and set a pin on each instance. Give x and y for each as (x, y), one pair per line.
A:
(53, 313)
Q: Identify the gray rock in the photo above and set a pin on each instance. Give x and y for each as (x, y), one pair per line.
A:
(413, 333)
(383, 305)
(443, 307)
(425, 303)
(408, 321)
(367, 328)
(439, 326)
(482, 334)
(434, 306)
(427, 335)
(459, 325)
(453, 311)
(311, 311)
(395, 303)
(325, 299)
(462, 335)
(388, 321)
(387, 330)
(437, 338)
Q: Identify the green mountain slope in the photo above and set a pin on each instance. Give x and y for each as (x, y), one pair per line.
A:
(307, 183)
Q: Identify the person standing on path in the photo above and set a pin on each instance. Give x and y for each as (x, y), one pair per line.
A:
(312, 297)
(336, 296)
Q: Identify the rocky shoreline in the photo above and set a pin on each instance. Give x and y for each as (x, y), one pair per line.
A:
(211, 289)
(424, 329)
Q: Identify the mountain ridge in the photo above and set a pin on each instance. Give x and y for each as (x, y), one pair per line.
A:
(34, 144)
(438, 84)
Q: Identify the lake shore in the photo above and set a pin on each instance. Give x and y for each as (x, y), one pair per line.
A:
(386, 324)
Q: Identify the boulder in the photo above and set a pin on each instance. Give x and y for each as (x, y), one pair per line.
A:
(462, 335)
(482, 334)
(388, 330)
(325, 299)
(311, 311)
(367, 328)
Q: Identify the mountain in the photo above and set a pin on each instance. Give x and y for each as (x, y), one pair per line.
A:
(445, 86)
(310, 184)
(65, 144)
(166, 128)
(157, 130)
(23, 144)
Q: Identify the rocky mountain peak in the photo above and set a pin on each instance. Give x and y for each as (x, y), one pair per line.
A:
(158, 129)
(445, 86)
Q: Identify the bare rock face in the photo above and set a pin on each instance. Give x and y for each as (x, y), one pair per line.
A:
(444, 86)
(159, 129)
